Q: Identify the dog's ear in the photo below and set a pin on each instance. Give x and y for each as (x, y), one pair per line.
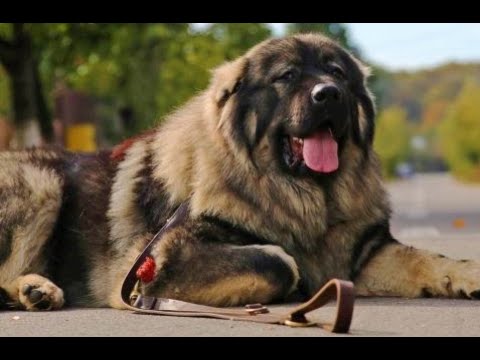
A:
(366, 106)
(366, 116)
(227, 79)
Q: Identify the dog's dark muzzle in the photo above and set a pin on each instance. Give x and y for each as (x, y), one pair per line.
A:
(328, 110)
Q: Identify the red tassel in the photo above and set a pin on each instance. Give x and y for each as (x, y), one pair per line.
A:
(146, 271)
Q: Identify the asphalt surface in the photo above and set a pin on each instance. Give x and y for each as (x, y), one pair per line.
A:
(432, 212)
(431, 206)
(372, 317)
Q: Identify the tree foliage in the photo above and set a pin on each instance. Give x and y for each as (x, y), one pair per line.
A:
(416, 91)
(392, 141)
(459, 134)
(336, 31)
(146, 68)
(236, 38)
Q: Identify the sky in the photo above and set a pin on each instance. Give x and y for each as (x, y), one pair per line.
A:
(413, 46)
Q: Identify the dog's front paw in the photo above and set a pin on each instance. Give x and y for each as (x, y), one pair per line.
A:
(38, 293)
(464, 280)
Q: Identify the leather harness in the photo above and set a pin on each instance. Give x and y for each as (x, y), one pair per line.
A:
(341, 290)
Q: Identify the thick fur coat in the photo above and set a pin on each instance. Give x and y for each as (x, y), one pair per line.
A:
(270, 217)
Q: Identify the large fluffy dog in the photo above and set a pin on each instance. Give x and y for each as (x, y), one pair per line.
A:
(276, 161)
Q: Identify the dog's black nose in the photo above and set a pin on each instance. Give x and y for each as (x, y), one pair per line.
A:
(325, 92)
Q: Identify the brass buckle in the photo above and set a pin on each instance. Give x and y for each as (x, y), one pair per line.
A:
(135, 293)
(300, 321)
(292, 323)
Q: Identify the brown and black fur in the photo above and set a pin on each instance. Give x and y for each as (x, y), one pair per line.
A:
(261, 227)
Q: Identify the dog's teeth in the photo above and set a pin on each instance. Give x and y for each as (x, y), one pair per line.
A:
(297, 140)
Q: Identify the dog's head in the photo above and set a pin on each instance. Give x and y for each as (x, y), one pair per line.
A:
(291, 104)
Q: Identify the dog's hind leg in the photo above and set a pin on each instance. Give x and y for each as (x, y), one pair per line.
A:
(30, 200)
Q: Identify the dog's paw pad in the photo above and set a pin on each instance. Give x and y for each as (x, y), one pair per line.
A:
(40, 294)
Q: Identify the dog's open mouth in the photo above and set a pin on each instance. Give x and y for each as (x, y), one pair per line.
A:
(318, 152)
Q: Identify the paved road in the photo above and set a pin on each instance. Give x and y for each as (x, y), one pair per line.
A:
(424, 210)
(431, 206)
(372, 317)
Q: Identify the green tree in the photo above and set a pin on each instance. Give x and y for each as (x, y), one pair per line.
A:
(147, 69)
(186, 69)
(21, 64)
(237, 38)
(28, 52)
(117, 63)
(182, 61)
(459, 134)
(337, 31)
(392, 139)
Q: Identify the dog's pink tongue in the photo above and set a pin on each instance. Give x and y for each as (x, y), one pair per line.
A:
(320, 152)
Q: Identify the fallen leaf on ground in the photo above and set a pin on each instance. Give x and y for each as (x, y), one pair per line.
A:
(459, 223)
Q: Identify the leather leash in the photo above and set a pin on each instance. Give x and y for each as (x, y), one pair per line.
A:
(342, 291)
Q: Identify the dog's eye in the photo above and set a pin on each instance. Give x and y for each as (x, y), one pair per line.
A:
(337, 71)
(288, 75)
